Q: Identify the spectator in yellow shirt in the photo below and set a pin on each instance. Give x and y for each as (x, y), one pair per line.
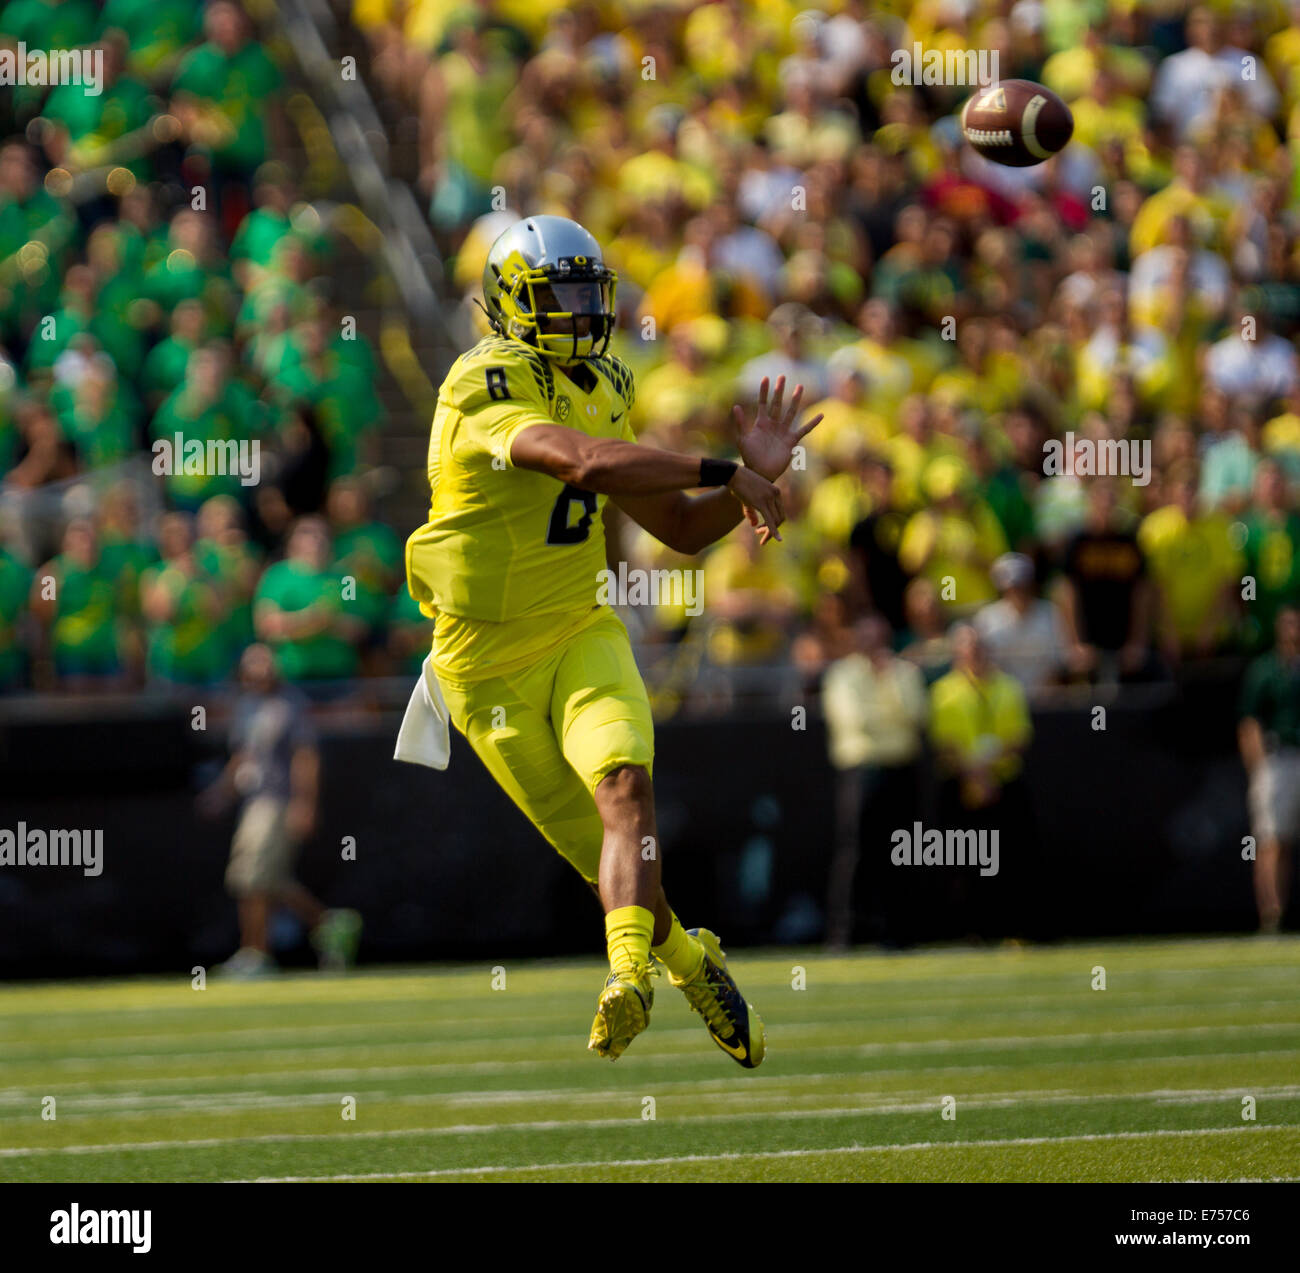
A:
(980, 728)
(848, 423)
(751, 598)
(684, 291)
(684, 386)
(875, 707)
(979, 722)
(955, 541)
(893, 366)
(1188, 195)
(1196, 569)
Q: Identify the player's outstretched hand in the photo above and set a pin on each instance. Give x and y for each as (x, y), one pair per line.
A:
(767, 442)
(761, 500)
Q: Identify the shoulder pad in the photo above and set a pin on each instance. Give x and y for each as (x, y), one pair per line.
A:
(499, 370)
(618, 373)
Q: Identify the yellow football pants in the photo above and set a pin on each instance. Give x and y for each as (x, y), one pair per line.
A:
(550, 733)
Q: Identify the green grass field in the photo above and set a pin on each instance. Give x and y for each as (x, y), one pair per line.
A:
(452, 1080)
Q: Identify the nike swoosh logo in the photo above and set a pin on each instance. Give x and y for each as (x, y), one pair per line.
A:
(614, 419)
(738, 1050)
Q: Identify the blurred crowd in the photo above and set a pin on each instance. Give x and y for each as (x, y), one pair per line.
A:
(775, 203)
(161, 277)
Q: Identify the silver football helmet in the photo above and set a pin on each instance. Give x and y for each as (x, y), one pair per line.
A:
(546, 284)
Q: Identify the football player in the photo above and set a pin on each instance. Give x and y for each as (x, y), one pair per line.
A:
(530, 438)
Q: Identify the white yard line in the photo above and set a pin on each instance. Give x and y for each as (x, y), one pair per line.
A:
(416, 984)
(929, 1105)
(786, 1089)
(783, 1034)
(1030, 1006)
(503, 1067)
(541, 986)
(772, 1153)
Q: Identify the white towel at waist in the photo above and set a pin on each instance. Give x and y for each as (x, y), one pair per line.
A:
(425, 735)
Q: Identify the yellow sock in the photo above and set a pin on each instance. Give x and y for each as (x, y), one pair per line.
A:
(627, 934)
(680, 952)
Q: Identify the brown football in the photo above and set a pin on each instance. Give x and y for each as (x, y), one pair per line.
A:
(1016, 122)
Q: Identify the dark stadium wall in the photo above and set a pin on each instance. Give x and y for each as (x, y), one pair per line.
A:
(1138, 833)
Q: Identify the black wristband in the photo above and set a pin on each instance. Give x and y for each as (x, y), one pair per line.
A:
(717, 472)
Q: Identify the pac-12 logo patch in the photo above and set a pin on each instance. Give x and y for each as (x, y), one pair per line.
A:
(562, 407)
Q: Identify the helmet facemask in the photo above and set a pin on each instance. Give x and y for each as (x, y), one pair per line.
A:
(565, 312)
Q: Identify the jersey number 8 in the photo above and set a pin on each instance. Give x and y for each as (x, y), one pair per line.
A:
(559, 531)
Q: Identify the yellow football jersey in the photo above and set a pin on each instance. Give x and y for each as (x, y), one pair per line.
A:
(509, 559)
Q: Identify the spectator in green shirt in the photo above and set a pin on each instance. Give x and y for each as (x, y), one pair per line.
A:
(1272, 552)
(345, 400)
(254, 417)
(183, 612)
(1009, 476)
(164, 368)
(115, 252)
(45, 24)
(28, 214)
(365, 551)
(253, 249)
(125, 550)
(157, 31)
(300, 613)
(226, 556)
(350, 347)
(266, 341)
(410, 634)
(99, 414)
(1268, 735)
(226, 92)
(49, 24)
(73, 318)
(15, 586)
(104, 129)
(76, 598)
(283, 287)
(192, 269)
(199, 410)
(141, 234)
